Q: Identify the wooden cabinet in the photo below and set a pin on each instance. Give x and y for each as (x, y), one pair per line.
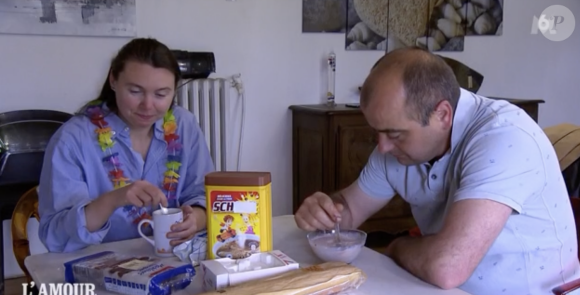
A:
(331, 145)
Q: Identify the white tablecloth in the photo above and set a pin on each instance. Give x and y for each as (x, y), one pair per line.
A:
(383, 275)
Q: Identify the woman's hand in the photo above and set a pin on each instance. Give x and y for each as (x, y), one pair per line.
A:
(193, 221)
(141, 194)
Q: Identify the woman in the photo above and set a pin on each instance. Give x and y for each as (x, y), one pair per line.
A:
(125, 154)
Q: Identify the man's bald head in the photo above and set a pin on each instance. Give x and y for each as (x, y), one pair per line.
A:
(425, 77)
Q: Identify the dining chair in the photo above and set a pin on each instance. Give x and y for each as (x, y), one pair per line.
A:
(24, 135)
(566, 141)
(26, 208)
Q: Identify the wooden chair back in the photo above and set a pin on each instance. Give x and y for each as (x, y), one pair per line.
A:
(26, 208)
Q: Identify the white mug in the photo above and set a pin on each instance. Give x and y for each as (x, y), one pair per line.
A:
(161, 225)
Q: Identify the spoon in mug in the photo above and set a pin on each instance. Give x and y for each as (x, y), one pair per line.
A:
(163, 209)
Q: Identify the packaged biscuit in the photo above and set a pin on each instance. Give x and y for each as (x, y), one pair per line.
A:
(131, 275)
(239, 217)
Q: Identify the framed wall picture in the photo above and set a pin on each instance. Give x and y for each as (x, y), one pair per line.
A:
(115, 18)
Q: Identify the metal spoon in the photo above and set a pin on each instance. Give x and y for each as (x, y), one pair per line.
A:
(337, 235)
(163, 209)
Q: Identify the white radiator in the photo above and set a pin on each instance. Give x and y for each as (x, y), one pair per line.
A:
(214, 102)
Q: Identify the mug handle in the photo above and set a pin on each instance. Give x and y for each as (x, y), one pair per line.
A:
(142, 234)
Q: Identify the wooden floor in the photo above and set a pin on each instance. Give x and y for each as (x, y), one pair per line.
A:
(14, 286)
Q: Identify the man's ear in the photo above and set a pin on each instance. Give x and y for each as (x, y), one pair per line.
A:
(444, 113)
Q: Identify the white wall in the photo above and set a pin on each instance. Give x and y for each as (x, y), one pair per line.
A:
(280, 66)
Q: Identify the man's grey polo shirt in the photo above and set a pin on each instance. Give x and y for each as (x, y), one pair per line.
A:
(498, 153)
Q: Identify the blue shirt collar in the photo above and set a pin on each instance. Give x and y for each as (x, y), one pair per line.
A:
(466, 107)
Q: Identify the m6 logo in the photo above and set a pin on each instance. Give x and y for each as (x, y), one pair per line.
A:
(556, 23)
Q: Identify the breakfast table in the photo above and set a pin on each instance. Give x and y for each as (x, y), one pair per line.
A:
(383, 275)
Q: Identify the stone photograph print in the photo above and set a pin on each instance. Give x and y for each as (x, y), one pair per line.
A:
(384, 25)
(115, 18)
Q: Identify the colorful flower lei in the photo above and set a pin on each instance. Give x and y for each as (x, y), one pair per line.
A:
(105, 139)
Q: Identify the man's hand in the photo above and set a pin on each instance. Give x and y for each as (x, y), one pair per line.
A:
(351, 207)
(318, 211)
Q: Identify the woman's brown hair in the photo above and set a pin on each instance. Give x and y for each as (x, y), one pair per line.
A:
(143, 50)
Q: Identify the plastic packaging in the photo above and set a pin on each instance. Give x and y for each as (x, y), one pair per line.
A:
(321, 279)
(131, 275)
(221, 273)
(193, 251)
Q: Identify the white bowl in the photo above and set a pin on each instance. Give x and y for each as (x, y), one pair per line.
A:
(324, 246)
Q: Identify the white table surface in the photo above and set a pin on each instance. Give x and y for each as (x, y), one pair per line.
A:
(383, 275)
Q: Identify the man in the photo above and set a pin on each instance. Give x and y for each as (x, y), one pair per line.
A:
(482, 179)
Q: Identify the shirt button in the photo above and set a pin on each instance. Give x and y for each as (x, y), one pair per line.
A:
(433, 176)
(126, 129)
